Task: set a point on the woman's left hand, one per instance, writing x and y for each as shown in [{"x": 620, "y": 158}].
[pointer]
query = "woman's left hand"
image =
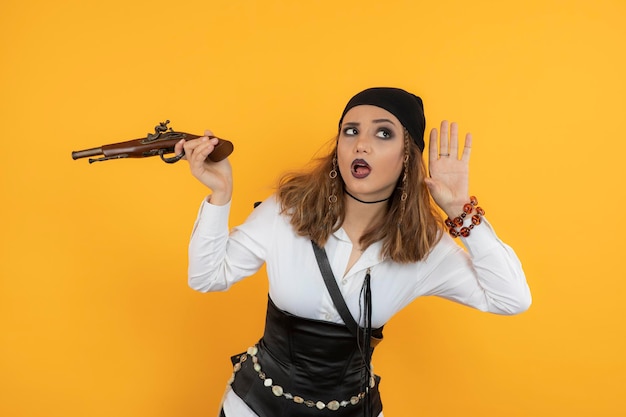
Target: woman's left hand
[{"x": 449, "y": 174}]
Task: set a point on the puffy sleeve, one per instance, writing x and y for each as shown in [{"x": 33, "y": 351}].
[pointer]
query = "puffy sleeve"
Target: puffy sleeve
[
  {"x": 219, "y": 258},
  {"x": 488, "y": 276}
]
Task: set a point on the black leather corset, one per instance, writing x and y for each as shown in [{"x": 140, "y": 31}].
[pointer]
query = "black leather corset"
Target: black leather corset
[{"x": 304, "y": 368}]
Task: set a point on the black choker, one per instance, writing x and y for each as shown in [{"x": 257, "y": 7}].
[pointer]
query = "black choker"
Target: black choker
[{"x": 367, "y": 202}]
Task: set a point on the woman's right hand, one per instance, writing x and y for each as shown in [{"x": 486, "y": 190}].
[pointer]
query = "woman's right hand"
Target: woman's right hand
[{"x": 215, "y": 175}]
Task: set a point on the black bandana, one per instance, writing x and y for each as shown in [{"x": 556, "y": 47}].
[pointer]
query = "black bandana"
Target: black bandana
[{"x": 407, "y": 107}]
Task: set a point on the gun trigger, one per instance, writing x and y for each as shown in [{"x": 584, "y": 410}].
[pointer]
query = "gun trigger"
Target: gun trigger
[{"x": 173, "y": 159}]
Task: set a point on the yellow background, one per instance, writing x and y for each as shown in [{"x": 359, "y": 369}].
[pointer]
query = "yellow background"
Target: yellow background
[{"x": 96, "y": 318}]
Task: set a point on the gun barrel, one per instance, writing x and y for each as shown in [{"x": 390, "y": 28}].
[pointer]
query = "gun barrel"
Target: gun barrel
[{"x": 86, "y": 153}]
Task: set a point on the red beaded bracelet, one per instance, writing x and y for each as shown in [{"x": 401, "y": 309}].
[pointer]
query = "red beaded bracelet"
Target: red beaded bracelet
[{"x": 458, "y": 221}]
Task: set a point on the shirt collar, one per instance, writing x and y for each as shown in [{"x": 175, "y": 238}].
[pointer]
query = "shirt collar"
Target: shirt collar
[{"x": 369, "y": 258}]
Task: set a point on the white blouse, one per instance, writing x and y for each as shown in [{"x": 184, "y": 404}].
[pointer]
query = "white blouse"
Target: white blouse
[{"x": 488, "y": 277}]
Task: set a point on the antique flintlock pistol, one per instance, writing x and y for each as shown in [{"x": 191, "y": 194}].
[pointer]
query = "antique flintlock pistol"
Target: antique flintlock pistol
[{"x": 161, "y": 143}]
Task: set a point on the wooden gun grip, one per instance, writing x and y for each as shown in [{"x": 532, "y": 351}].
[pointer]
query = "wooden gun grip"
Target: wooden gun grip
[{"x": 222, "y": 150}]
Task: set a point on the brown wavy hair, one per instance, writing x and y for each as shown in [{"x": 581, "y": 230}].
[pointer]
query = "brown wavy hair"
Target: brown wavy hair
[{"x": 406, "y": 237}]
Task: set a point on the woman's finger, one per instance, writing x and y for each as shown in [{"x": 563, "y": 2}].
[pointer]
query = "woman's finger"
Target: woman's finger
[
  {"x": 443, "y": 139},
  {"x": 467, "y": 149},
  {"x": 454, "y": 140},
  {"x": 433, "y": 146},
  {"x": 191, "y": 145},
  {"x": 202, "y": 151},
  {"x": 179, "y": 147}
]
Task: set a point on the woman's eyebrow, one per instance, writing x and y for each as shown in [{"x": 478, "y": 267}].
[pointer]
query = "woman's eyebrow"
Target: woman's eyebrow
[
  {"x": 373, "y": 121},
  {"x": 383, "y": 120}
]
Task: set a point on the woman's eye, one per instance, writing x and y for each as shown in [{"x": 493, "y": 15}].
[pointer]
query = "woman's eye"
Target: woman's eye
[
  {"x": 384, "y": 134},
  {"x": 350, "y": 131}
]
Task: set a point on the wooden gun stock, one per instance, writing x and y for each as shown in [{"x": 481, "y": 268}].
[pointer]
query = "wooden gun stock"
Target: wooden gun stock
[{"x": 160, "y": 143}]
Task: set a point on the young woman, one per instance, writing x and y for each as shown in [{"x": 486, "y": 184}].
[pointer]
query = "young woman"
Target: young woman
[{"x": 361, "y": 224}]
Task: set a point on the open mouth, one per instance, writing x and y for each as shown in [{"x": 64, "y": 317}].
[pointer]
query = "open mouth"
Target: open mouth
[{"x": 360, "y": 168}]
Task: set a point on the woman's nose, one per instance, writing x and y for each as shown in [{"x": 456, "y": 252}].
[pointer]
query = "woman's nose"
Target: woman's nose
[{"x": 362, "y": 144}]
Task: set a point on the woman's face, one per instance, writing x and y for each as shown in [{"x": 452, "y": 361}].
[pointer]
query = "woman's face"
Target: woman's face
[{"x": 370, "y": 152}]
